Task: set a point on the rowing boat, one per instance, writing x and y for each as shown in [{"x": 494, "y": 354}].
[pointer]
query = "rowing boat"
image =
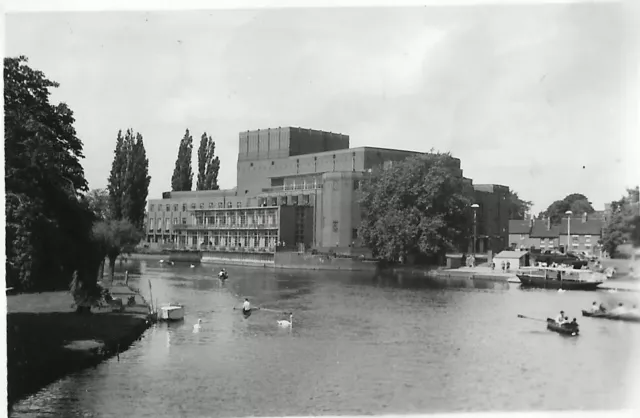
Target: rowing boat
[
  {"x": 565, "y": 329},
  {"x": 629, "y": 317}
]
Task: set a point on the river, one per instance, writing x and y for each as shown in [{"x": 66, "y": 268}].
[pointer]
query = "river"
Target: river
[{"x": 360, "y": 344}]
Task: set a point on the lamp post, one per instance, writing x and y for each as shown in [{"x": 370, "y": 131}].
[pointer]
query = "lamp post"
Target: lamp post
[
  {"x": 568, "y": 213},
  {"x": 475, "y": 206}
]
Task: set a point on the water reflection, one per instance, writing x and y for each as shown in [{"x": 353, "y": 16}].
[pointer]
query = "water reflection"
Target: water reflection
[{"x": 360, "y": 344}]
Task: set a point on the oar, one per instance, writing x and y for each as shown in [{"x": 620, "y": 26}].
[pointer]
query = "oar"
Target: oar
[{"x": 533, "y": 319}]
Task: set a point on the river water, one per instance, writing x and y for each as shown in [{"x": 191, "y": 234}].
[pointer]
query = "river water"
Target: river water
[{"x": 360, "y": 344}]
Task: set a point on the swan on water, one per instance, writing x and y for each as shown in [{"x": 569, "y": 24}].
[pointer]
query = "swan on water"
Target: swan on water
[
  {"x": 284, "y": 323},
  {"x": 561, "y": 290},
  {"x": 192, "y": 266},
  {"x": 198, "y": 326}
]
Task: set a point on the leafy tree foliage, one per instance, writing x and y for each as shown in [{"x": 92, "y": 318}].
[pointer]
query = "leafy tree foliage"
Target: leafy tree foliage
[
  {"x": 208, "y": 164},
  {"x": 129, "y": 179},
  {"x": 48, "y": 220},
  {"x": 416, "y": 208},
  {"x": 623, "y": 224},
  {"x": 518, "y": 208},
  {"x": 576, "y": 202},
  {"x": 115, "y": 237},
  {"x": 98, "y": 201},
  {"x": 182, "y": 178}
]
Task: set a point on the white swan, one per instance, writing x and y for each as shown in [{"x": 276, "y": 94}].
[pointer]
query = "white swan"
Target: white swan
[
  {"x": 193, "y": 266},
  {"x": 197, "y": 327},
  {"x": 561, "y": 290},
  {"x": 284, "y": 323}
]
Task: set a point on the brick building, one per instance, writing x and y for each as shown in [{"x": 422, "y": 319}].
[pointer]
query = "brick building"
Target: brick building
[
  {"x": 309, "y": 180},
  {"x": 585, "y": 231}
]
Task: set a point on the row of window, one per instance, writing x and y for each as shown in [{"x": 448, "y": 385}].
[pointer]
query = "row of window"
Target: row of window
[
  {"x": 587, "y": 238},
  {"x": 167, "y": 206}
]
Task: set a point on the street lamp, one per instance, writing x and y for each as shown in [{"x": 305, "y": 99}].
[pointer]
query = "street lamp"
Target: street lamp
[
  {"x": 475, "y": 206},
  {"x": 568, "y": 213}
]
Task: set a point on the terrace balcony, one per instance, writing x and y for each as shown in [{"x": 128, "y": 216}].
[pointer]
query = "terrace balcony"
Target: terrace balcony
[
  {"x": 292, "y": 187},
  {"x": 214, "y": 227}
]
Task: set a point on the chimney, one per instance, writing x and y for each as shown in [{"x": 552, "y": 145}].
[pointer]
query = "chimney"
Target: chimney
[{"x": 584, "y": 217}]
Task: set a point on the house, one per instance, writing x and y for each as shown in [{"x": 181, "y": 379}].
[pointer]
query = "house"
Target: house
[
  {"x": 515, "y": 259},
  {"x": 585, "y": 234},
  {"x": 544, "y": 235},
  {"x": 519, "y": 233}
]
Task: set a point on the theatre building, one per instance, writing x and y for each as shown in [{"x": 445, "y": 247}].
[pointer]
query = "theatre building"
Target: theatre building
[{"x": 296, "y": 188}]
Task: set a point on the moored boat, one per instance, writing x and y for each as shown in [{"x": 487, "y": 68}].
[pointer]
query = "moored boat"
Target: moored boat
[
  {"x": 628, "y": 317},
  {"x": 565, "y": 329},
  {"x": 559, "y": 278},
  {"x": 171, "y": 312}
]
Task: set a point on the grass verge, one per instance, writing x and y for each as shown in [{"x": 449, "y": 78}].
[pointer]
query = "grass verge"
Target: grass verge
[{"x": 47, "y": 340}]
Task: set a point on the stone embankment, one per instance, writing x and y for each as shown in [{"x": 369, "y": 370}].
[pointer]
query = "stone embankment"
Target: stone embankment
[{"x": 47, "y": 340}]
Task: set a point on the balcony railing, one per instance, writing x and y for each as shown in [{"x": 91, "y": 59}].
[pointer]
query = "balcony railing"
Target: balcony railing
[
  {"x": 225, "y": 226},
  {"x": 287, "y": 187}
]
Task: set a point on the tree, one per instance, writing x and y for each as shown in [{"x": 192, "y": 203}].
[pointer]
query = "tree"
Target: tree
[
  {"x": 417, "y": 208},
  {"x": 182, "y": 178},
  {"x": 136, "y": 180},
  {"x": 518, "y": 208},
  {"x": 98, "y": 201},
  {"x": 208, "y": 164},
  {"x": 48, "y": 221},
  {"x": 129, "y": 180},
  {"x": 576, "y": 202},
  {"x": 115, "y": 237},
  {"x": 623, "y": 224},
  {"x": 115, "y": 184}
]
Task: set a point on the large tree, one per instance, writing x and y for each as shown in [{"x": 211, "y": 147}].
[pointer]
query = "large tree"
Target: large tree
[
  {"x": 623, "y": 223},
  {"x": 182, "y": 178},
  {"x": 575, "y": 202},
  {"x": 48, "y": 222},
  {"x": 208, "y": 164},
  {"x": 417, "y": 208},
  {"x": 518, "y": 208},
  {"x": 128, "y": 183}
]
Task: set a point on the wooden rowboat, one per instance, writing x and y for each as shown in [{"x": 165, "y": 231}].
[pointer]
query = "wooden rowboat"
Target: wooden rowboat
[
  {"x": 628, "y": 317},
  {"x": 565, "y": 329}
]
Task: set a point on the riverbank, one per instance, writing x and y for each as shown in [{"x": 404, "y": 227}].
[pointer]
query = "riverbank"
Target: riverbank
[{"x": 47, "y": 340}]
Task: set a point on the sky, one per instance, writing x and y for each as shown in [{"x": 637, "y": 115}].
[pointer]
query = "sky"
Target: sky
[{"x": 542, "y": 98}]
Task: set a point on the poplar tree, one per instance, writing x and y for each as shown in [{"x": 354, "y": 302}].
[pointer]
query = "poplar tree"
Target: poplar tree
[
  {"x": 129, "y": 180},
  {"x": 182, "y": 178},
  {"x": 208, "y": 164}
]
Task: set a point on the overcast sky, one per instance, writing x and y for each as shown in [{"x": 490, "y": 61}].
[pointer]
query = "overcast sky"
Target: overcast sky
[{"x": 541, "y": 98}]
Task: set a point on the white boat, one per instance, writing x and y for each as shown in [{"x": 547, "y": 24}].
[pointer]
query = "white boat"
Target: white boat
[{"x": 171, "y": 312}]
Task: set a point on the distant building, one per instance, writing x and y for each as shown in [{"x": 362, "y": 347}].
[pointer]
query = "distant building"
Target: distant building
[
  {"x": 492, "y": 217},
  {"x": 540, "y": 234},
  {"x": 297, "y": 188}
]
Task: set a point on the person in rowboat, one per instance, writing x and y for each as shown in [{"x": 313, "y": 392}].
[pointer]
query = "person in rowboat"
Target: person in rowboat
[
  {"x": 246, "y": 306},
  {"x": 560, "y": 318},
  {"x": 595, "y": 308}
]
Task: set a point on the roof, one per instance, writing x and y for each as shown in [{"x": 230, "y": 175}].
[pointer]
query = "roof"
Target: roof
[
  {"x": 517, "y": 226},
  {"x": 511, "y": 254},
  {"x": 539, "y": 230},
  {"x": 590, "y": 227}
]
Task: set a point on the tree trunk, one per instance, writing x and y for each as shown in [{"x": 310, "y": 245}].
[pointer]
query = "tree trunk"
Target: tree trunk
[
  {"x": 101, "y": 270},
  {"x": 112, "y": 266}
]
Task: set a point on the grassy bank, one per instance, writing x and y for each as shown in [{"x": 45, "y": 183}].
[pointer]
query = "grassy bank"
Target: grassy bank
[{"x": 47, "y": 340}]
